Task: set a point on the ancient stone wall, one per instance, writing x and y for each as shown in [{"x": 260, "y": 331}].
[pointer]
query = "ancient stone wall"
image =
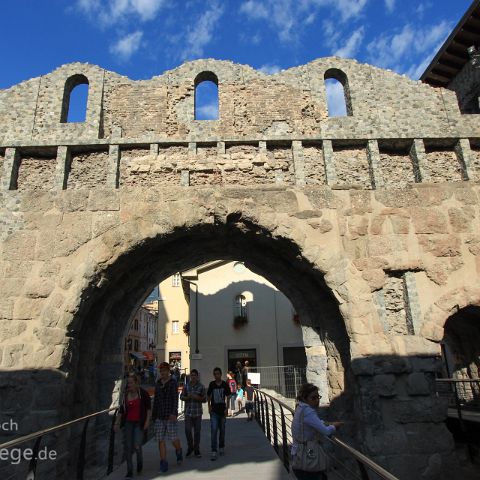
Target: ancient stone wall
[{"x": 368, "y": 223}]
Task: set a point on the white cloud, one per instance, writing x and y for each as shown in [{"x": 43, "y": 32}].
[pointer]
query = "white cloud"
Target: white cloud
[
  {"x": 269, "y": 69},
  {"x": 390, "y": 5},
  {"x": 335, "y": 99},
  {"x": 349, "y": 8},
  {"x": 109, "y": 12},
  {"x": 202, "y": 33},
  {"x": 287, "y": 17},
  {"x": 208, "y": 112},
  {"x": 254, "y": 9},
  {"x": 125, "y": 47},
  {"x": 352, "y": 44},
  {"x": 398, "y": 51}
]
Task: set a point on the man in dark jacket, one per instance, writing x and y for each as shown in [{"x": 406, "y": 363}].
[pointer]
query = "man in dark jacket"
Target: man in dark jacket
[{"x": 164, "y": 414}]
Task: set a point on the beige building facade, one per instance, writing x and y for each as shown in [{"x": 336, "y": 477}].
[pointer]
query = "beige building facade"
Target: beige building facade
[
  {"x": 238, "y": 315},
  {"x": 173, "y": 314},
  {"x": 230, "y": 314}
]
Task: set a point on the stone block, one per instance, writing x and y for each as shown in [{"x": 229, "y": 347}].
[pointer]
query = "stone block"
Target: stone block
[
  {"x": 105, "y": 200},
  {"x": 427, "y": 220},
  {"x": 11, "y": 329},
  {"x": 363, "y": 366},
  {"x": 420, "y": 410},
  {"x": 385, "y": 385},
  {"x": 417, "y": 384}
]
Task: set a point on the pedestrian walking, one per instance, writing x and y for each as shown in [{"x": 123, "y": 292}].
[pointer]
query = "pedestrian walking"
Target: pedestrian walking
[
  {"x": 135, "y": 412},
  {"x": 165, "y": 413},
  {"x": 306, "y": 428},
  {"x": 237, "y": 372},
  {"x": 233, "y": 391},
  {"x": 194, "y": 395},
  {"x": 239, "y": 398},
  {"x": 245, "y": 370},
  {"x": 250, "y": 398},
  {"x": 218, "y": 394}
]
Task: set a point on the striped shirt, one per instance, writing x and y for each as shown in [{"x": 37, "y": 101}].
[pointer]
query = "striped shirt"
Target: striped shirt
[{"x": 193, "y": 408}]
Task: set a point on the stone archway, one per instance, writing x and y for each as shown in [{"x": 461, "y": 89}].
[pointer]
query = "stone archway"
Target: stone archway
[
  {"x": 102, "y": 320},
  {"x": 446, "y": 306}
]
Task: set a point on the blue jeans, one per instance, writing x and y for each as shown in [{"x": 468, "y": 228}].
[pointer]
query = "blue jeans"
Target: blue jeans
[
  {"x": 133, "y": 442},
  {"x": 217, "y": 423}
]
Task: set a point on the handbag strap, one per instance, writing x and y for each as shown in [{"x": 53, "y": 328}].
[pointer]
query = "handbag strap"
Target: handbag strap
[{"x": 302, "y": 413}]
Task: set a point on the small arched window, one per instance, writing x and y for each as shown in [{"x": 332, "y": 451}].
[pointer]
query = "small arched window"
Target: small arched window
[
  {"x": 206, "y": 96},
  {"x": 240, "y": 306},
  {"x": 75, "y": 99},
  {"x": 338, "y": 94}
]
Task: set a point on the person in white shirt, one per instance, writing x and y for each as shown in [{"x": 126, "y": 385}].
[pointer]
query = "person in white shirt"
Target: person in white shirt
[{"x": 306, "y": 412}]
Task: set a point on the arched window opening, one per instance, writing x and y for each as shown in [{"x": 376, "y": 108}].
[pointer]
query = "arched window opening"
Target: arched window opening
[
  {"x": 206, "y": 96},
  {"x": 240, "y": 307},
  {"x": 75, "y": 99},
  {"x": 338, "y": 94}
]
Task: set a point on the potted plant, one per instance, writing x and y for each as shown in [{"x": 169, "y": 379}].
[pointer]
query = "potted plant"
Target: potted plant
[
  {"x": 239, "y": 321},
  {"x": 186, "y": 328}
]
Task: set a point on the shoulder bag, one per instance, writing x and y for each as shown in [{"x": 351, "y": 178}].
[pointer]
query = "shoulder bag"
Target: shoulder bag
[{"x": 310, "y": 456}]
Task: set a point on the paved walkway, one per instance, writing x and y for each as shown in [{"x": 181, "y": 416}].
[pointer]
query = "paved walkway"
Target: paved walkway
[{"x": 248, "y": 454}]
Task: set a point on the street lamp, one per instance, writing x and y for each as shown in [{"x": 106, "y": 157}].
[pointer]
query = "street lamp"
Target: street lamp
[{"x": 474, "y": 55}]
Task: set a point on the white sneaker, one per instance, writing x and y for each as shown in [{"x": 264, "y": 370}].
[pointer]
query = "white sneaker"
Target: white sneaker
[
  {"x": 213, "y": 456},
  {"x": 221, "y": 451}
]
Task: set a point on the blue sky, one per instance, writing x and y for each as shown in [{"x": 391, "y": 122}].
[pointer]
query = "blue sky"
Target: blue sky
[{"x": 143, "y": 38}]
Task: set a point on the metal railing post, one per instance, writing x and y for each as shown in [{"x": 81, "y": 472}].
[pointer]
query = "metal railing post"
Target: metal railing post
[
  {"x": 267, "y": 416},
  {"x": 81, "y": 453},
  {"x": 262, "y": 414},
  {"x": 32, "y": 467},
  {"x": 363, "y": 470},
  {"x": 274, "y": 426},
  {"x": 286, "y": 456},
  {"x": 111, "y": 444}
]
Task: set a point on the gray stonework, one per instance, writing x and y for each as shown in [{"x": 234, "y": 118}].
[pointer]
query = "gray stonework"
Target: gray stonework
[{"x": 368, "y": 223}]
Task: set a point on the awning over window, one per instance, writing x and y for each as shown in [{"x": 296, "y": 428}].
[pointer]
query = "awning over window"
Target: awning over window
[
  {"x": 149, "y": 356},
  {"x": 138, "y": 355}
]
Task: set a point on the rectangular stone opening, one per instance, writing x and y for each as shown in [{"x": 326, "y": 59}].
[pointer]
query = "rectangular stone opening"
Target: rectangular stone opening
[
  {"x": 352, "y": 167},
  {"x": 139, "y": 167},
  {"x": 314, "y": 163},
  {"x": 393, "y": 305},
  {"x": 441, "y": 162},
  {"x": 36, "y": 169},
  {"x": 88, "y": 170},
  {"x": 280, "y": 161},
  {"x": 395, "y": 164}
]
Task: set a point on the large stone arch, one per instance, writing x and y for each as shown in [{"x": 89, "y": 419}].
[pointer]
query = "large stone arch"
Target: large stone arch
[
  {"x": 448, "y": 304},
  {"x": 112, "y": 290}
]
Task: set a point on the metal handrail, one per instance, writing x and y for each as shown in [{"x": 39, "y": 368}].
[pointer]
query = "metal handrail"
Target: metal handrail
[
  {"x": 40, "y": 433},
  {"x": 457, "y": 380},
  {"x": 37, "y": 436},
  {"x": 362, "y": 460}
]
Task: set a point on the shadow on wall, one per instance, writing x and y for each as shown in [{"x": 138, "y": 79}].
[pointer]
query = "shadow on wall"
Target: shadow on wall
[{"x": 396, "y": 418}]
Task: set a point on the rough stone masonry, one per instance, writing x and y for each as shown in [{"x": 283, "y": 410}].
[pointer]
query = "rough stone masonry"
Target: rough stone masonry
[{"x": 369, "y": 223}]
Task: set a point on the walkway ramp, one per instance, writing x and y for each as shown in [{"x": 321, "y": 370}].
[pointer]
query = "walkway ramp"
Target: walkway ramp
[{"x": 248, "y": 454}]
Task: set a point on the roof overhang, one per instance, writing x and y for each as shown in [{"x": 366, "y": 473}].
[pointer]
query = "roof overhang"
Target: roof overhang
[{"x": 453, "y": 55}]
